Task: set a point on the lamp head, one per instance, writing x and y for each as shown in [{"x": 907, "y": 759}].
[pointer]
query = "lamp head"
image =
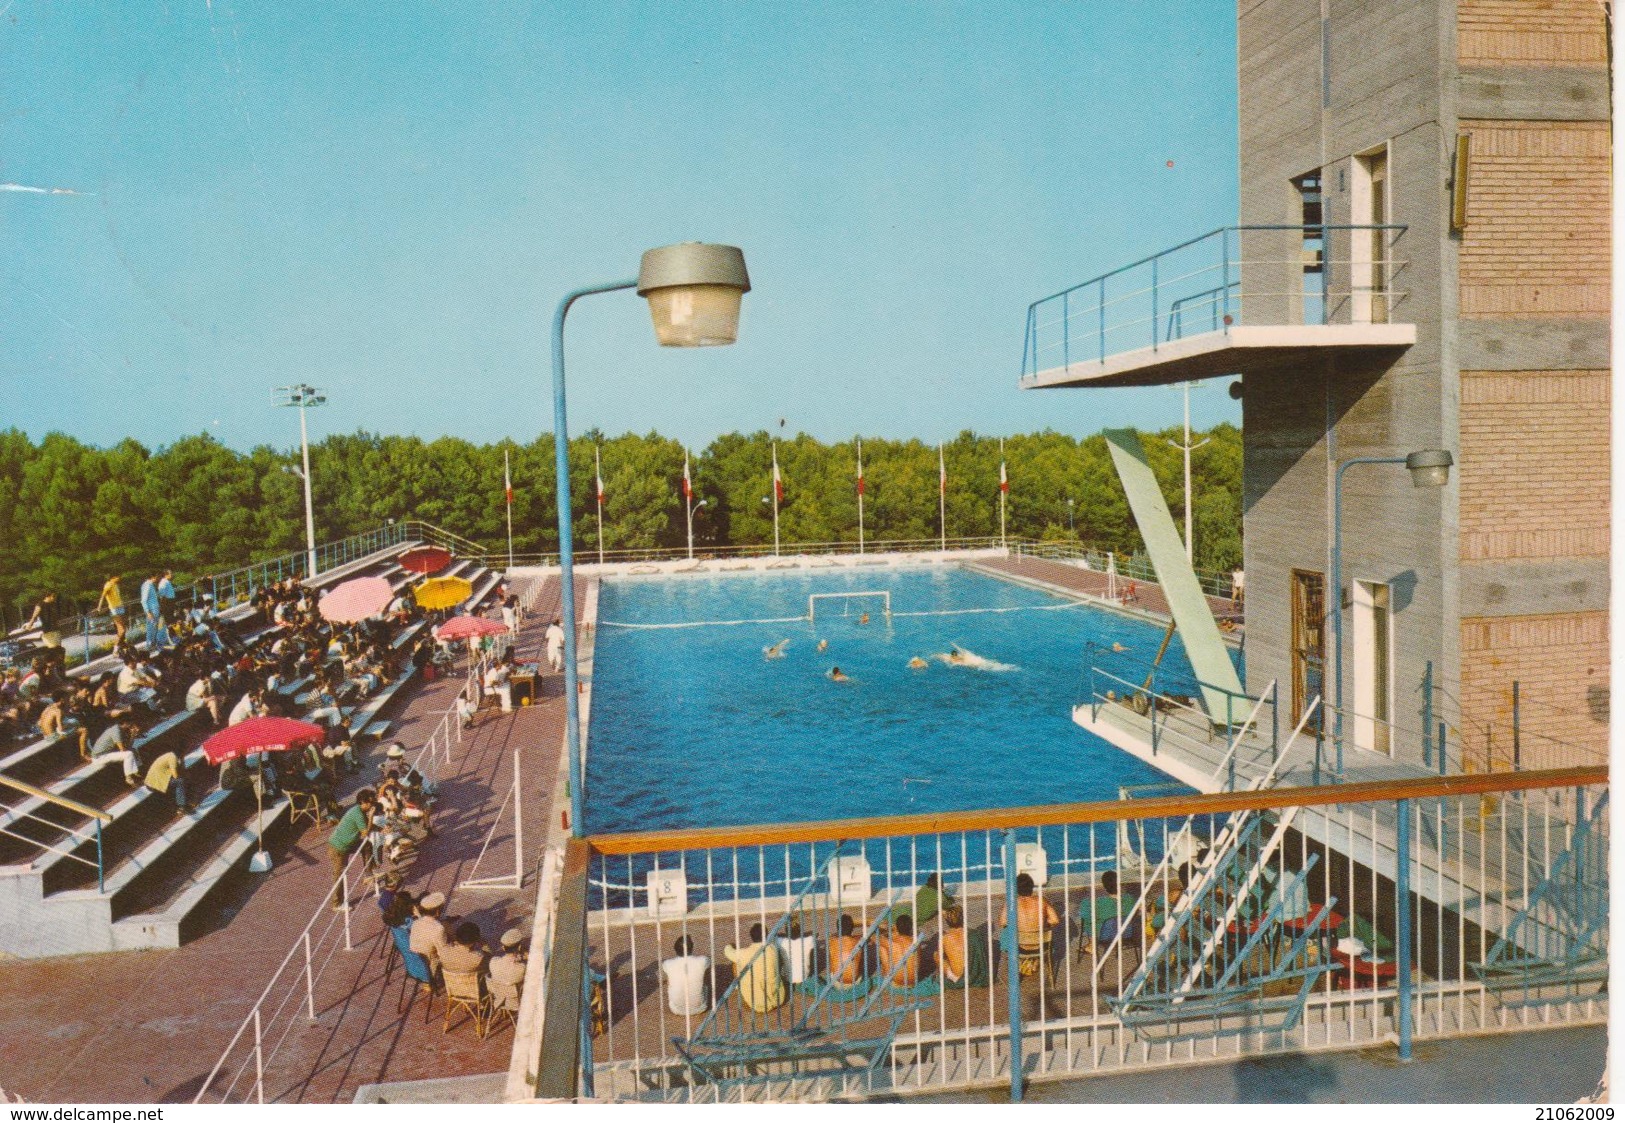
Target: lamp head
[
  {"x": 694, "y": 291},
  {"x": 1430, "y": 467}
]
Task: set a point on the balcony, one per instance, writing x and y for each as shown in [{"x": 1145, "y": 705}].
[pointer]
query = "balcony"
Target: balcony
[{"x": 1238, "y": 298}]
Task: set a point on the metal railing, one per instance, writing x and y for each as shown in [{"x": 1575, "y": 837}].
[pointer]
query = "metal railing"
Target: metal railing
[
  {"x": 290, "y": 996},
  {"x": 80, "y": 836},
  {"x": 1248, "y": 922},
  {"x": 1126, "y": 566},
  {"x": 1234, "y": 275}
]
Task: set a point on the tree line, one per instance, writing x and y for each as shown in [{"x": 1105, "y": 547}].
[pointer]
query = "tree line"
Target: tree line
[{"x": 72, "y": 514}]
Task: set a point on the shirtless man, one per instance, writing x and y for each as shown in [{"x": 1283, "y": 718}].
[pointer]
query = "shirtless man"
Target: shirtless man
[
  {"x": 836, "y": 675},
  {"x": 776, "y": 651},
  {"x": 917, "y": 664}
]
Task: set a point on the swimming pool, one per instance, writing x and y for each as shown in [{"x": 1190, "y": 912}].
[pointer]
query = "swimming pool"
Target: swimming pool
[{"x": 692, "y": 725}]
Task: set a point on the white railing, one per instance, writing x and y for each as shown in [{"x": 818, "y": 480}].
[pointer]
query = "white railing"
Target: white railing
[{"x": 288, "y": 999}]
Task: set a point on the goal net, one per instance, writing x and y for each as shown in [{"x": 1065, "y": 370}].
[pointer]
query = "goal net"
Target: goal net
[{"x": 849, "y": 604}]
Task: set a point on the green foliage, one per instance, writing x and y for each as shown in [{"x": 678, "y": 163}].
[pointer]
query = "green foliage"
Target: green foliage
[{"x": 71, "y": 515}]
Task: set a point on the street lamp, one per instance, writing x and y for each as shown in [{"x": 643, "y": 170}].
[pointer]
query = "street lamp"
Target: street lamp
[
  {"x": 1071, "y": 526},
  {"x": 303, "y": 398},
  {"x": 1428, "y": 468},
  {"x": 694, "y": 292},
  {"x": 692, "y": 507}
]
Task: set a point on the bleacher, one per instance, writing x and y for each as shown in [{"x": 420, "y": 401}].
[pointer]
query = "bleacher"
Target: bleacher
[{"x": 161, "y": 874}]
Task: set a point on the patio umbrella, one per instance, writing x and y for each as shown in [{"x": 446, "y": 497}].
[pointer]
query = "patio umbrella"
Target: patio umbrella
[
  {"x": 467, "y": 627},
  {"x": 425, "y": 559},
  {"x": 443, "y": 592},
  {"x": 260, "y": 735},
  {"x": 356, "y": 599}
]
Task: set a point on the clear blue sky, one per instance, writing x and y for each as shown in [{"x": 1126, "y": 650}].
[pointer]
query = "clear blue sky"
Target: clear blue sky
[{"x": 387, "y": 200}]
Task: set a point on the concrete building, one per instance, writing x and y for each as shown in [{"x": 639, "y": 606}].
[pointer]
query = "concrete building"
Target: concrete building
[{"x": 1421, "y": 262}]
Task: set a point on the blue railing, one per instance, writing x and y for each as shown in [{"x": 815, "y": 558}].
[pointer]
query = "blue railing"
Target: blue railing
[{"x": 1236, "y": 274}]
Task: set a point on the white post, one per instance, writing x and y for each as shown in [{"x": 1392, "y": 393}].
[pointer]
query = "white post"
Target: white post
[
  {"x": 598, "y": 492},
  {"x": 310, "y": 511},
  {"x": 518, "y": 828},
  {"x": 942, "y": 498},
  {"x": 507, "y": 498},
  {"x": 1187, "y": 447},
  {"x": 775, "y": 497},
  {"x": 259, "y": 1057},
  {"x": 860, "y": 495},
  {"x": 310, "y": 982},
  {"x": 344, "y": 882}
]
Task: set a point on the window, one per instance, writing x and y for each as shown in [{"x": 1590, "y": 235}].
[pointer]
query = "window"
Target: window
[
  {"x": 1371, "y": 264},
  {"x": 1308, "y": 642}
]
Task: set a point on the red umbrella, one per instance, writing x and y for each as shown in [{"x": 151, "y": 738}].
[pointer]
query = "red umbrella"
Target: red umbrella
[
  {"x": 467, "y": 627},
  {"x": 261, "y": 735},
  {"x": 424, "y": 559},
  {"x": 356, "y": 599}
]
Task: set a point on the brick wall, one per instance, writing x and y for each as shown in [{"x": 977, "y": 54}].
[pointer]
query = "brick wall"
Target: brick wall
[
  {"x": 1537, "y": 241},
  {"x": 1561, "y": 665},
  {"x": 1530, "y": 33},
  {"x": 1534, "y": 453}
]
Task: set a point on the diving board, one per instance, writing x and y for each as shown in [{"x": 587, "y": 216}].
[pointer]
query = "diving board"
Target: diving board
[{"x": 1193, "y": 616}]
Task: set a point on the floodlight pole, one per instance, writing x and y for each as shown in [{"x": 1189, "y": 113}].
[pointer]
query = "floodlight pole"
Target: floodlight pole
[
  {"x": 303, "y": 397},
  {"x": 567, "y": 589},
  {"x": 1188, "y": 448}
]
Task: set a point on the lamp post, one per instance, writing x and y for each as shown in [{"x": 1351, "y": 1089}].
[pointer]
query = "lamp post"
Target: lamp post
[
  {"x": 1071, "y": 526},
  {"x": 303, "y": 398},
  {"x": 1188, "y": 448},
  {"x": 694, "y": 291},
  {"x": 1428, "y": 468},
  {"x": 691, "y": 508}
]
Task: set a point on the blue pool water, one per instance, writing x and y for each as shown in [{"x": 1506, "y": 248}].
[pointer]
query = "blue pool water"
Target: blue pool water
[{"x": 692, "y": 726}]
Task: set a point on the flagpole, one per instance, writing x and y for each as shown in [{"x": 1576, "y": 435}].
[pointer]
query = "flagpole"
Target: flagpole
[
  {"x": 1004, "y": 490},
  {"x": 507, "y": 491},
  {"x": 598, "y": 478},
  {"x": 942, "y": 497},
  {"x": 860, "y": 494},
  {"x": 775, "y": 497}
]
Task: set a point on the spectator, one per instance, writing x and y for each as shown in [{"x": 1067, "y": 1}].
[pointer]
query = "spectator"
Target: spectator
[
  {"x": 688, "y": 979},
  {"x": 797, "y": 952},
  {"x": 48, "y": 618},
  {"x": 168, "y": 604},
  {"x": 465, "y": 953},
  {"x": 152, "y": 606},
  {"x": 761, "y": 980},
  {"x": 428, "y": 931},
  {"x": 555, "y": 645},
  {"x": 964, "y": 961},
  {"x": 206, "y": 693},
  {"x": 844, "y": 960},
  {"x": 1036, "y": 921},
  {"x": 250, "y": 704},
  {"x": 113, "y": 598},
  {"x": 117, "y": 743},
  {"x": 1101, "y": 916},
  {"x": 898, "y": 954},
  {"x": 497, "y": 682},
  {"x": 347, "y": 838},
  {"x": 166, "y": 775},
  {"x": 54, "y": 722},
  {"x": 510, "y": 615},
  {"x": 507, "y": 971}
]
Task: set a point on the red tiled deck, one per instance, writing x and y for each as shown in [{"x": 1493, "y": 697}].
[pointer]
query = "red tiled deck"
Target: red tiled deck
[{"x": 148, "y": 1026}]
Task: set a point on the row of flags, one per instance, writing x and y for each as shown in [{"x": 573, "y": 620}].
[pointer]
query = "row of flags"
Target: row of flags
[{"x": 778, "y": 479}]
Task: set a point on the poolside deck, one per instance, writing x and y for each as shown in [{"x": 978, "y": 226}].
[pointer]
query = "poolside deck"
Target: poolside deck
[{"x": 147, "y": 1026}]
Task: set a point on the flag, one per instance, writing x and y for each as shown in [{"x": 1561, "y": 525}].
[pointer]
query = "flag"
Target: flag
[
  {"x": 778, "y": 483},
  {"x": 598, "y": 474},
  {"x": 688, "y": 486},
  {"x": 860, "y": 467},
  {"x": 507, "y": 481},
  {"x": 1004, "y": 480},
  {"x": 942, "y": 472}
]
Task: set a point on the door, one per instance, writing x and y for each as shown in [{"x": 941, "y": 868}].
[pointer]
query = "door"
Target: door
[
  {"x": 1370, "y": 265},
  {"x": 1373, "y": 667},
  {"x": 1308, "y": 642}
]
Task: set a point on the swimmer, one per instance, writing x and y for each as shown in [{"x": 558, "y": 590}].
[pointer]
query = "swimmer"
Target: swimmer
[
  {"x": 916, "y": 664},
  {"x": 864, "y": 619},
  {"x": 823, "y": 645},
  {"x": 835, "y": 675},
  {"x": 957, "y": 656},
  {"x": 1119, "y": 648},
  {"x": 776, "y": 651}
]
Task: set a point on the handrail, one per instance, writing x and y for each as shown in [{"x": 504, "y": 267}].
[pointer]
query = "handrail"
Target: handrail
[
  {"x": 61, "y": 801},
  {"x": 1109, "y": 811}
]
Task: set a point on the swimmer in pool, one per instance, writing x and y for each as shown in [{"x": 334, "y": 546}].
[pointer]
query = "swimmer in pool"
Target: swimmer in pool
[
  {"x": 954, "y": 657},
  {"x": 823, "y": 645},
  {"x": 835, "y": 675},
  {"x": 1118, "y": 648},
  {"x": 864, "y": 619},
  {"x": 916, "y": 664},
  {"x": 776, "y": 651}
]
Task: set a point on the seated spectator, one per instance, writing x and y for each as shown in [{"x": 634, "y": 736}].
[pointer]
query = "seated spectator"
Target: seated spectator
[
  {"x": 796, "y": 951},
  {"x": 117, "y": 745},
  {"x": 1100, "y": 916},
  {"x": 55, "y": 721},
  {"x": 401, "y": 908},
  {"x": 506, "y": 973},
  {"x": 964, "y": 960},
  {"x": 206, "y": 693},
  {"x": 497, "y": 682},
  {"x": 761, "y": 981},
  {"x": 166, "y": 775},
  {"x": 1036, "y": 922},
  {"x": 465, "y": 954},
  {"x": 927, "y": 899},
  {"x": 843, "y": 959},
  {"x": 687, "y": 978},
  {"x": 249, "y": 705},
  {"x": 429, "y": 936},
  {"x": 899, "y": 954}
]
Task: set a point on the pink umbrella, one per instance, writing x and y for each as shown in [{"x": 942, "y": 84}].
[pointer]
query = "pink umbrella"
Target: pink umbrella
[
  {"x": 467, "y": 627},
  {"x": 356, "y": 599}
]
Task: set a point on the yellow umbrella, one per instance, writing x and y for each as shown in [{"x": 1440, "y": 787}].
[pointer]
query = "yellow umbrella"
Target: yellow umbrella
[{"x": 443, "y": 592}]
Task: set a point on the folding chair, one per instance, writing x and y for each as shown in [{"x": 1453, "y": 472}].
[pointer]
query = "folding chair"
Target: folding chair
[
  {"x": 502, "y": 1002},
  {"x": 303, "y": 805},
  {"x": 465, "y": 992}
]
